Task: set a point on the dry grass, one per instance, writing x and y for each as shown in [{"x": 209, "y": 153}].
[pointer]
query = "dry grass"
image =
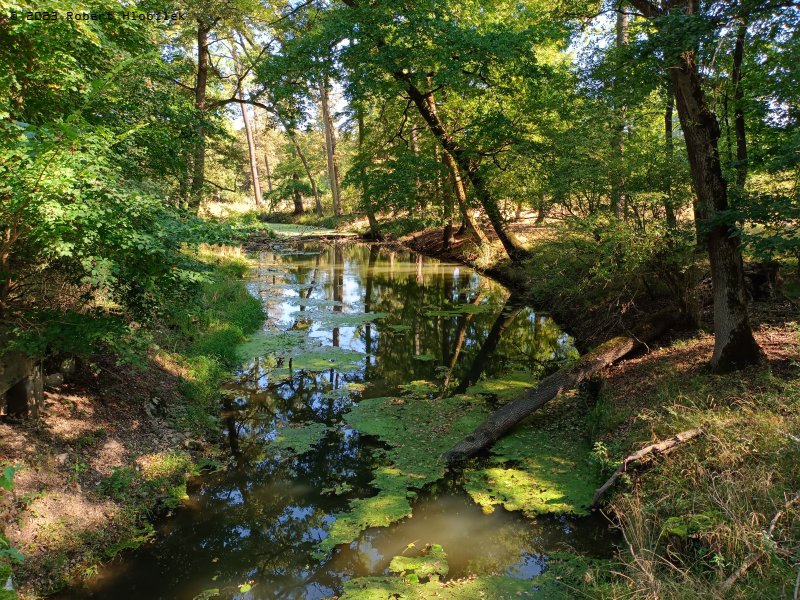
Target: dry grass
[{"x": 692, "y": 520}]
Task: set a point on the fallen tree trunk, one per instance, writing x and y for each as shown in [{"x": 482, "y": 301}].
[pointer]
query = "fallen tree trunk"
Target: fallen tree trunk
[
  {"x": 505, "y": 418},
  {"x": 664, "y": 447}
]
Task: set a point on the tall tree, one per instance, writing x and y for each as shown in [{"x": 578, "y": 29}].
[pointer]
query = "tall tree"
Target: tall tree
[
  {"x": 200, "y": 92},
  {"x": 330, "y": 146},
  {"x": 734, "y": 344}
]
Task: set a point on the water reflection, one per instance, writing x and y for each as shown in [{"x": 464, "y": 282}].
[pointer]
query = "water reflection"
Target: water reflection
[{"x": 397, "y": 317}]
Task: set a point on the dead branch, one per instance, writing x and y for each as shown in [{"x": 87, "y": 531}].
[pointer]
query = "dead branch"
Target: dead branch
[{"x": 664, "y": 447}]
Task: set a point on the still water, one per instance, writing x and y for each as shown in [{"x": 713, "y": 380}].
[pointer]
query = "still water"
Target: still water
[{"x": 259, "y": 521}]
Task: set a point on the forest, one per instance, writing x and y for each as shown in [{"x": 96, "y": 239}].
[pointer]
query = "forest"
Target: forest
[{"x": 281, "y": 282}]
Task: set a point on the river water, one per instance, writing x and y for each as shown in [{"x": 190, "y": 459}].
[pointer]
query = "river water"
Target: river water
[{"x": 258, "y": 522}]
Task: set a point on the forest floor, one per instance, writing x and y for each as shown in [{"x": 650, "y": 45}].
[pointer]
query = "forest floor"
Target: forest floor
[
  {"x": 116, "y": 446},
  {"x": 75, "y": 504}
]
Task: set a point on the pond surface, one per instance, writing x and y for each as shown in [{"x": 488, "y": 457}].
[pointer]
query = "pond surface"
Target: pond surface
[{"x": 372, "y": 320}]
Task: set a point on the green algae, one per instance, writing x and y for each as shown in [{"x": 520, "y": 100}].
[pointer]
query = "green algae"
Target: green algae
[
  {"x": 548, "y": 473},
  {"x": 310, "y": 302},
  {"x": 381, "y": 588},
  {"x": 417, "y": 431},
  {"x": 295, "y": 351},
  {"x": 419, "y": 388},
  {"x": 568, "y": 576},
  {"x": 300, "y": 438},
  {"x": 431, "y": 563},
  {"x": 330, "y": 320},
  {"x": 265, "y": 343},
  {"x": 506, "y": 387},
  {"x": 425, "y": 357},
  {"x": 458, "y": 310}
]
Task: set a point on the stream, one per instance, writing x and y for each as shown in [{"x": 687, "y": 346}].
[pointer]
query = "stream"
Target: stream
[{"x": 373, "y": 321}]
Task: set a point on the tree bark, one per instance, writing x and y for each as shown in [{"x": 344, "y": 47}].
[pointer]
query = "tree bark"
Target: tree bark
[
  {"x": 309, "y": 174},
  {"x": 251, "y": 149},
  {"x": 618, "y": 197},
  {"x": 298, "y": 198},
  {"x": 330, "y": 149},
  {"x": 664, "y": 447},
  {"x": 506, "y": 418},
  {"x": 734, "y": 344},
  {"x": 374, "y": 227},
  {"x": 738, "y": 109},
  {"x": 463, "y": 203},
  {"x": 201, "y": 84},
  {"x": 510, "y": 243},
  {"x": 669, "y": 207}
]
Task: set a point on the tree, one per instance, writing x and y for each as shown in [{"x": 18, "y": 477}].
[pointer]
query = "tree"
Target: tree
[{"x": 734, "y": 344}]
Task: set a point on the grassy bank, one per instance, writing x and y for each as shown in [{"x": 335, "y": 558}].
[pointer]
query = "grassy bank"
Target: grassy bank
[{"x": 117, "y": 445}]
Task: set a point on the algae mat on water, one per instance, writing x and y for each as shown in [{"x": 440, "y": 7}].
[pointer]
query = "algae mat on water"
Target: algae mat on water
[
  {"x": 566, "y": 574},
  {"x": 534, "y": 471},
  {"x": 417, "y": 431},
  {"x": 304, "y": 352}
]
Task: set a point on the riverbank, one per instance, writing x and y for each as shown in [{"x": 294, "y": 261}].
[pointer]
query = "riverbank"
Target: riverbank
[{"x": 117, "y": 445}]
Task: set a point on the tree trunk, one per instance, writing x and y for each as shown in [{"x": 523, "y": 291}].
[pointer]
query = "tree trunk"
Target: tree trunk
[
  {"x": 201, "y": 83},
  {"x": 463, "y": 203},
  {"x": 669, "y": 208},
  {"x": 374, "y": 228},
  {"x": 618, "y": 196},
  {"x": 309, "y": 174},
  {"x": 511, "y": 244},
  {"x": 734, "y": 344},
  {"x": 298, "y": 198},
  {"x": 251, "y": 150},
  {"x": 267, "y": 170},
  {"x": 738, "y": 109},
  {"x": 330, "y": 149},
  {"x": 506, "y": 418}
]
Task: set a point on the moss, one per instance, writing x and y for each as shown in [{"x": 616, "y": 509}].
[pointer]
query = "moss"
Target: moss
[{"x": 506, "y": 387}]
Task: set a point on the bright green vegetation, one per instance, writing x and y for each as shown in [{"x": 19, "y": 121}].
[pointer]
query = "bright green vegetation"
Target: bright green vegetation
[
  {"x": 537, "y": 472},
  {"x": 8, "y": 557},
  {"x": 300, "y": 438},
  {"x": 417, "y": 431},
  {"x": 567, "y": 577},
  {"x": 197, "y": 339},
  {"x": 430, "y": 564},
  {"x": 285, "y": 352},
  {"x": 295, "y": 229},
  {"x": 534, "y": 471}
]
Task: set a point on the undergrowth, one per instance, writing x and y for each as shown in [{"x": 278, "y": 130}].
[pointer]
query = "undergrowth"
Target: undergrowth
[{"x": 723, "y": 500}]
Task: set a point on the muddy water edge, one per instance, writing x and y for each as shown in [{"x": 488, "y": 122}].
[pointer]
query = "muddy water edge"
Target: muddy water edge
[{"x": 370, "y": 363}]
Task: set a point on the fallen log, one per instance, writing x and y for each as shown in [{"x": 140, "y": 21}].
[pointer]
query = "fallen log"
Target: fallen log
[
  {"x": 505, "y": 418},
  {"x": 664, "y": 447}
]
